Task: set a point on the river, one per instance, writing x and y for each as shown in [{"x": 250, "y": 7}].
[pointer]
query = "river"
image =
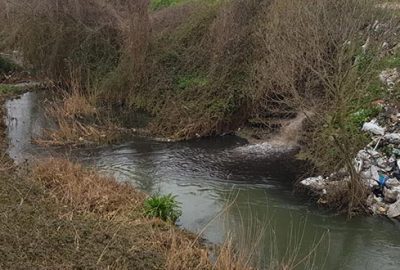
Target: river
[{"x": 207, "y": 175}]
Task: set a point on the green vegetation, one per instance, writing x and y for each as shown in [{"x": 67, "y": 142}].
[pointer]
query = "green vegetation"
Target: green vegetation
[
  {"x": 185, "y": 82},
  {"x": 8, "y": 89},
  {"x": 203, "y": 68},
  {"x": 364, "y": 115},
  {"x": 165, "y": 207},
  {"x": 6, "y": 66},
  {"x": 158, "y": 4}
]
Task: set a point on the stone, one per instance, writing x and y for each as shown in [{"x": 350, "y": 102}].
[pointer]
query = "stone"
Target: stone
[
  {"x": 373, "y": 128},
  {"x": 394, "y": 210},
  {"x": 392, "y": 138}
]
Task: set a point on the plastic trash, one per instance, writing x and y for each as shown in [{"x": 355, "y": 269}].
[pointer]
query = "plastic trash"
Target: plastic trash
[
  {"x": 382, "y": 180},
  {"x": 392, "y": 138},
  {"x": 396, "y": 173},
  {"x": 396, "y": 152},
  {"x": 373, "y": 127}
]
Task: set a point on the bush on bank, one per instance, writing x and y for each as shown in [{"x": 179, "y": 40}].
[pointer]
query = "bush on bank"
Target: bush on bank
[{"x": 206, "y": 68}]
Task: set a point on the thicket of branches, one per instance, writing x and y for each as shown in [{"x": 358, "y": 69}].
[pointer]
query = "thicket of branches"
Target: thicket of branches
[{"x": 206, "y": 67}]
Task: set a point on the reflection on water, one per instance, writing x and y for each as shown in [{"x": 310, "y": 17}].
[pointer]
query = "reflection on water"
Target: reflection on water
[{"x": 207, "y": 174}]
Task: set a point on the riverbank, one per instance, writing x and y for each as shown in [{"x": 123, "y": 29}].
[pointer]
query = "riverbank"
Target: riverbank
[
  {"x": 48, "y": 225},
  {"x": 207, "y": 174},
  {"x": 376, "y": 167},
  {"x": 63, "y": 215},
  {"x": 213, "y": 70}
]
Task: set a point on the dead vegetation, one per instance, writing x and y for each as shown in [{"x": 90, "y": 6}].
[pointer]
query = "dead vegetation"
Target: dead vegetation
[
  {"x": 78, "y": 122},
  {"x": 208, "y": 68},
  {"x": 66, "y": 216},
  {"x": 314, "y": 60},
  {"x": 85, "y": 191},
  {"x": 102, "y": 218}
]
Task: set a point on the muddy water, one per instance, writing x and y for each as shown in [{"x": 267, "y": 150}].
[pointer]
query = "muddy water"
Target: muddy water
[{"x": 208, "y": 174}]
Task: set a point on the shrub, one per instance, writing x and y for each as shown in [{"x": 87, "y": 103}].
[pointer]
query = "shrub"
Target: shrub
[
  {"x": 6, "y": 66},
  {"x": 164, "y": 207},
  {"x": 57, "y": 36},
  {"x": 311, "y": 61}
]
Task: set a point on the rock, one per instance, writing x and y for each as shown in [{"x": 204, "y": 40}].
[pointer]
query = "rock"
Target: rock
[
  {"x": 389, "y": 77},
  {"x": 392, "y": 138},
  {"x": 389, "y": 195},
  {"x": 373, "y": 128},
  {"x": 394, "y": 210}
]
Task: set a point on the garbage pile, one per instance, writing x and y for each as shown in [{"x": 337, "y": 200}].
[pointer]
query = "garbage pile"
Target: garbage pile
[{"x": 378, "y": 163}]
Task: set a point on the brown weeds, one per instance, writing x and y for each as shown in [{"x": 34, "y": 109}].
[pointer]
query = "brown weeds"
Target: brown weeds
[
  {"x": 86, "y": 191},
  {"x": 79, "y": 122},
  {"x": 310, "y": 62},
  {"x": 82, "y": 191}
]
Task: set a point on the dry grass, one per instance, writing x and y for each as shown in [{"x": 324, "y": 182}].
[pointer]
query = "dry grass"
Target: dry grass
[
  {"x": 86, "y": 191},
  {"x": 81, "y": 191},
  {"x": 78, "y": 105},
  {"x": 313, "y": 61},
  {"x": 181, "y": 253},
  {"x": 78, "y": 122},
  {"x": 67, "y": 217}
]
